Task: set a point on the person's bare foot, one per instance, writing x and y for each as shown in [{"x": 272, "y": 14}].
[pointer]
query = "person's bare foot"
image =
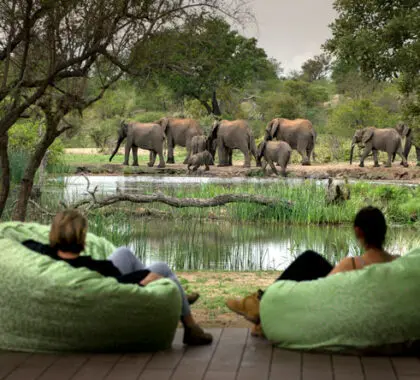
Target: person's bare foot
[{"x": 196, "y": 336}]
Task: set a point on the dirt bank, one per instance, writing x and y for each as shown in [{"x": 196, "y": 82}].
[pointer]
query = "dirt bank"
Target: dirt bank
[{"x": 316, "y": 171}]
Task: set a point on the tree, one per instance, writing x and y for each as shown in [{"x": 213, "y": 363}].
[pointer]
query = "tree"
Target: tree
[
  {"x": 316, "y": 68},
  {"x": 51, "y": 50},
  {"x": 382, "y": 39},
  {"x": 198, "y": 58}
]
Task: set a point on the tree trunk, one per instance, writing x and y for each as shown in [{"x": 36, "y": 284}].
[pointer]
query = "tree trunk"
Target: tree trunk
[
  {"x": 204, "y": 104},
  {"x": 5, "y": 172},
  {"x": 215, "y": 105},
  {"x": 25, "y": 190}
]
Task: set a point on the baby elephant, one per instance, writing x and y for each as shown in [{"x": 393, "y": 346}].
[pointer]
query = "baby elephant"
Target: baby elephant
[
  {"x": 199, "y": 159},
  {"x": 274, "y": 152},
  {"x": 198, "y": 144}
]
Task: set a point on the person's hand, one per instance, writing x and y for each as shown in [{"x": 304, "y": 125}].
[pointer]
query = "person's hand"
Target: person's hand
[{"x": 150, "y": 278}]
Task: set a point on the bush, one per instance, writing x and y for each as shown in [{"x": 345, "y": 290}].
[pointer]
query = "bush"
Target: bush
[
  {"x": 281, "y": 105},
  {"x": 347, "y": 117},
  {"x": 148, "y": 117},
  {"x": 24, "y": 137}
]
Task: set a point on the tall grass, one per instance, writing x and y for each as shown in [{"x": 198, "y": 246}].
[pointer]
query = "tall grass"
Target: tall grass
[
  {"x": 18, "y": 160},
  {"x": 308, "y": 200},
  {"x": 195, "y": 245}
]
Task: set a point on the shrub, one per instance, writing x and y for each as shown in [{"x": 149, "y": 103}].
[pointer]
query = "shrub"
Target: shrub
[
  {"x": 346, "y": 117},
  {"x": 24, "y": 137}
]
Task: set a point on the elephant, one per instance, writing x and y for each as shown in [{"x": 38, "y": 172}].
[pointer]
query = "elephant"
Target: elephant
[
  {"x": 374, "y": 139},
  {"x": 199, "y": 159},
  {"x": 231, "y": 135},
  {"x": 299, "y": 134},
  {"x": 148, "y": 136},
  {"x": 274, "y": 152},
  {"x": 179, "y": 132},
  {"x": 198, "y": 144},
  {"x": 405, "y": 131}
]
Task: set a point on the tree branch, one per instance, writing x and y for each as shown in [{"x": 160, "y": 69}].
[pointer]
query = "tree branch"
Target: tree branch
[{"x": 95, "y": 203}]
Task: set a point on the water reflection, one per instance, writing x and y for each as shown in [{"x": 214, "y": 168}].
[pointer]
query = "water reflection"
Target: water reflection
[
  {"x": 75, "y": 186},
  {"x": 226, "y": 246},
  {"x": 203, "y": 244}
]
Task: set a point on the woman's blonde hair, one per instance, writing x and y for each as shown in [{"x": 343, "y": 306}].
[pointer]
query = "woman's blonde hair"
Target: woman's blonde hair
[{"x": 68, "y": 231}]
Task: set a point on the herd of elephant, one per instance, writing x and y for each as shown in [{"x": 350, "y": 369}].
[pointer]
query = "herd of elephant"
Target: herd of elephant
[{"x": 281, "y": 137}]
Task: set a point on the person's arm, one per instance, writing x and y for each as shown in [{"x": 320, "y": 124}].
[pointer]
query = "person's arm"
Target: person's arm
[
  {"x": 344, "y": 265},
  {"x": 33, "y": 245}
]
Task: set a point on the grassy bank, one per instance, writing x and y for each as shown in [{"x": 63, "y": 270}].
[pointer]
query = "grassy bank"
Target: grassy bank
[
  {"x": 400, "y": 204},
  {"x": 216, "y": 287},
  {"x": 309, "y": 206}
]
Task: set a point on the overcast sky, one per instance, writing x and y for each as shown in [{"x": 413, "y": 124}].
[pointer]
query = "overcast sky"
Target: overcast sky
[{"x": 292, "y": 30}]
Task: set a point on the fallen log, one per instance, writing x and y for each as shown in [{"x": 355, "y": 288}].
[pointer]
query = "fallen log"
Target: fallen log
[{"x": 95, "y": 203}]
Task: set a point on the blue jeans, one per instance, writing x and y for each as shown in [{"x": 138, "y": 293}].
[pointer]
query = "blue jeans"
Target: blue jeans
[{"x": 124, "y": 259}]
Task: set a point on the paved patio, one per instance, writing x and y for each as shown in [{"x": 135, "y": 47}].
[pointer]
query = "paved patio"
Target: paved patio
[{"x": 233, "y": 355}]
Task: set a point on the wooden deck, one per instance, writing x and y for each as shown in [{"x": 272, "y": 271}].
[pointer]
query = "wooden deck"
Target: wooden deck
[{"x": 233, "y": 355}]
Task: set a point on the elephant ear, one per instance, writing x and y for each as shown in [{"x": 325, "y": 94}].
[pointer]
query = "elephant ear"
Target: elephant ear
[
  {"x": 164, "y": 122},
  {"x": 215, "y": 129},
  {"x": 406, "y": 130},
  {"x": 269, "y": 131},
  {"x": 124, "y": 127},
  {"x": 367, "y": 135},
  {"x": 275, "y": 128}
]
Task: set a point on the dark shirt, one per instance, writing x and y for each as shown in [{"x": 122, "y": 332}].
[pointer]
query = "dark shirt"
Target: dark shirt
[{"x": 104, "y": 267}]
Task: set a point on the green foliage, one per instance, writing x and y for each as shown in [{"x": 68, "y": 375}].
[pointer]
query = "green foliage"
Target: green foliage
[
  {"x": 24, "y": 136},
  {"x": 347, "y": 117},
  {"x": 17, "y": 162},
  {"x": 316, "y": 68},
  {"x": 281, "y": 105},
  {"x": 196, "y": 59},
  {"x": 381, "y": 39}
]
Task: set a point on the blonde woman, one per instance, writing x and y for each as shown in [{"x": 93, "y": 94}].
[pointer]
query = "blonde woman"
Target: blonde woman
[{"x": 67, "y": 242}]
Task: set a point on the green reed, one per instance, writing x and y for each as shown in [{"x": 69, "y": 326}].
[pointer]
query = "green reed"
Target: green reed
[{"x": 309, "y": 205}]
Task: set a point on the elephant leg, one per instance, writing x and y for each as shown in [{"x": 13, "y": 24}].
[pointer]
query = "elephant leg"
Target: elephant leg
[
  {"x": 389, "y": 161},
  {"x": 365, "y": 153},
  {"x": 303, "y": 152},
  {"x": 152, "y": 160},
  {"x": 375, "y": 158},
  {"x": 171, "y": 146},
  {"x": 135, "y": 156},
  {"x": 283, "y": 171},
  {"x": 230, "y": 154},
  {"x": 161, "y": 158},
  {"x": 418, "y": 155},
  {"x": 195, "y": 168},
  {"x": 403, "y": 159},
  {"x": 247, "y": 156},
  {"x": 127, "y": 153},
  {"x": 207, "y": 168},
  {"x": 309, "y": 153},
  {"x": 273, "y": 167},
  {"x": 188, "y": 145},
  {"x": 223, "y": 155},
  {"x": 264, "y": 166}
]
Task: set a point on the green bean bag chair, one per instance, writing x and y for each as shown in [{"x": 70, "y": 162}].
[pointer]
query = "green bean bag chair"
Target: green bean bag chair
[
  {"x": 49, "y": 306},
  {"x": 374, "y": 310}
]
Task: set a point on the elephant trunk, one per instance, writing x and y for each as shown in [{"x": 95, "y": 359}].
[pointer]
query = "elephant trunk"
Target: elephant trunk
[
  {"x": 120, "y": 140},
  {"x": 353, "y": 144}
]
